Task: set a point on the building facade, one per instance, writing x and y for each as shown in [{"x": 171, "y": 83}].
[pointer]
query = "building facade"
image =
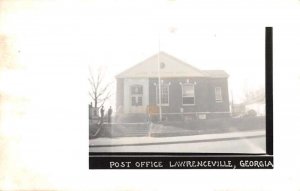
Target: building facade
[{"x": 184, "y": 92}]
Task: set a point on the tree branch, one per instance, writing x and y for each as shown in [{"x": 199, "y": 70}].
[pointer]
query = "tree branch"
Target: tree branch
[
  {"x": 99, "y": 92},
  {"x": 104, "y": 89},
  {"x": 91, "y": 95}
]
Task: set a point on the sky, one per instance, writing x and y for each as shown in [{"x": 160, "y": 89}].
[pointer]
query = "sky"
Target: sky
[
  {"x": 116, "y": 35},
  {"x": 123, "y": 35}
]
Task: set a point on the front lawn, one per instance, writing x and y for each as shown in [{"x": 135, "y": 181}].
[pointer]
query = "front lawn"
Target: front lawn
[{"x": 209, "y": 126}]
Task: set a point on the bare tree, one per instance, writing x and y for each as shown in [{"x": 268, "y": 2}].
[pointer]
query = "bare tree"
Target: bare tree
[
  {"x": 255, "y": 95},
  {"x": 100, "y": 90}
]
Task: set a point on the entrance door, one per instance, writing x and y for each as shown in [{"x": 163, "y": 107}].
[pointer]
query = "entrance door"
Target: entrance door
[{"x": 136, "y": 95}]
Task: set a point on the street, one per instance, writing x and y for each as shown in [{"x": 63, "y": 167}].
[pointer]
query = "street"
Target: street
[{"x": 248, "y": 142}]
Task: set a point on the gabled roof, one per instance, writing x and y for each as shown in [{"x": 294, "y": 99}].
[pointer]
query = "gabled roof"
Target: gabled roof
[
  {"x": 216, "y": 73},
  {"x": 169, "y": 67}
]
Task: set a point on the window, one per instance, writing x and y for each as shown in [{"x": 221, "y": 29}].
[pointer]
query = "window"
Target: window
[
  {"x": 136, "y": 95},
  {"x": 218, "y": 94},
  {"x": 188, "y": 94},
  {"x": 164, "y": 90}
]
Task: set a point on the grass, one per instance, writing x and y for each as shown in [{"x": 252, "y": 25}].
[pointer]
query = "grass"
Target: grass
[{"x": 209, "y": 126}]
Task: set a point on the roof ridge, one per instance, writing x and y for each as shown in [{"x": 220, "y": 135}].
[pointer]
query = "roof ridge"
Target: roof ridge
[
  {"x": 179, "y": 60},
  {"x": 141, "y": 62},
  {"x": 202, "y": 73}
]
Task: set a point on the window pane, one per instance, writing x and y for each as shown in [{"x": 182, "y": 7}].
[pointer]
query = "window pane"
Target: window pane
[
  {"x": 188, "y": 90},
  {"x": 140, "y": 90},
  {"x": 136, "y": 100},
  {"x": 188, "y": 100},
  {"x": 136, "y": 89},
  {"x": 140, "y": 101},
  {"x": 164, "y": 94},
  {"x": 218, "y": 94},
  {"x": 164, "y": 97}
]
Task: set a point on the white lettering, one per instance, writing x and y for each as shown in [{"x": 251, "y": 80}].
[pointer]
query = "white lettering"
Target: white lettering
[{"x": 119, "y": 164}]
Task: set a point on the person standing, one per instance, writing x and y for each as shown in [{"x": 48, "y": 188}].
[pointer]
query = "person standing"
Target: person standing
[
  {"x": 109, "y": 114},
  {"x": 102, "y": 113}
]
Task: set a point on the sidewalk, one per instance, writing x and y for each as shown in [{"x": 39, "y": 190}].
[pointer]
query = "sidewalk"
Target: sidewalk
[{"x": 130, "y": 141}]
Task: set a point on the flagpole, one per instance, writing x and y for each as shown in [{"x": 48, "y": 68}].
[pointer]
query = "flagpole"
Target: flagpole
[
  {"x": 159, "y": 77},
  {"x": 159, "y": 87}
]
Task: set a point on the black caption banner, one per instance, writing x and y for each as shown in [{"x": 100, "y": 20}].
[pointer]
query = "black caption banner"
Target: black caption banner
[{"x": 174, "y": 162}]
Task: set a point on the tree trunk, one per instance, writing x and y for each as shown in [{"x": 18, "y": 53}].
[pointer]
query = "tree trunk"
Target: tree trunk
[{"x": 95, "y": 103}]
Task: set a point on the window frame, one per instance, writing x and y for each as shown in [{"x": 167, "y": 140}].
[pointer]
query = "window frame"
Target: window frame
[
  {"x": 218, "y": 94},
  {"x": 157, "y": 94},
  {"x": 136, "y": 96},
  {"x": 194, "y": 96}
]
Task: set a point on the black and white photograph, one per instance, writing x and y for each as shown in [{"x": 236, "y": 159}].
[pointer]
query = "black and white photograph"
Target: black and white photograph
[
  {"x": 163, "y": 104},
  {"x": 149, "y": 95},
  {"x": 207, "y": 99}
]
